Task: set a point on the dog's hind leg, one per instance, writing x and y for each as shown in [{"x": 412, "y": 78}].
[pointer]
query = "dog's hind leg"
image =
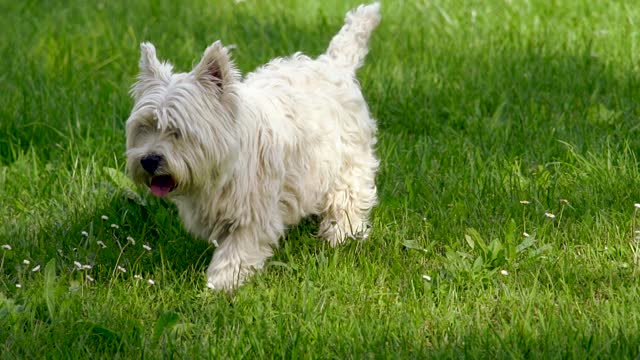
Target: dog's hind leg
[{"x": 348, "y": 204}]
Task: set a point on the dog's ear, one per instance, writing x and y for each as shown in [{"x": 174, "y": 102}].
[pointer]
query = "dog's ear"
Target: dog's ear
[
  {"x": 216, "y": 68},
  {"x": 149, "y": 63},
  {"x": 151, "y": 70}
]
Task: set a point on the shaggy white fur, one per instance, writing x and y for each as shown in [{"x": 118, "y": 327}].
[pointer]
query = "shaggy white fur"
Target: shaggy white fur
[{"x": 244, "y": 159}]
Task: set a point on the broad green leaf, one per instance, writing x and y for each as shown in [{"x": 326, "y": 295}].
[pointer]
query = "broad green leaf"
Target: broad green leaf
[
  {"x": 477, "y": 238},
  {"x": 165, "y": 322},
  {"x": 412, "y": 244},
  {"x": 478, "y": 264},
  {"x": 106, "y": 334},
  {"x": 540, "y": 250},
  {"x": 469, "y": 241},
  {"x": 122, "y": 182},
  {"x": 525, "y": 244}
]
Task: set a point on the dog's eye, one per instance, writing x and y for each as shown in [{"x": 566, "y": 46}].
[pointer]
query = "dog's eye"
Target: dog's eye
[
  {"x": 145, "y": 129},
  {"x": 174, "y": 134}
]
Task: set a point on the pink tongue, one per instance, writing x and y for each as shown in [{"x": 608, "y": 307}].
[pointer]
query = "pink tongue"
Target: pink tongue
[{"x": 161, "y": 185}]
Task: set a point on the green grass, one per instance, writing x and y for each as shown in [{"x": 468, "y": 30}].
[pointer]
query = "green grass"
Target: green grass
[{"x": 481, "y": 104}]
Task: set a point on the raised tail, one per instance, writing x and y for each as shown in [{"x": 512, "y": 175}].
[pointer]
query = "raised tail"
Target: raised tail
[{"x": 350, "y": 46}]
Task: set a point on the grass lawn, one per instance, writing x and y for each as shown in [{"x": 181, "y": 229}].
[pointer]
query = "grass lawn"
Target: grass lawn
[{"x": 482, "y": 104}]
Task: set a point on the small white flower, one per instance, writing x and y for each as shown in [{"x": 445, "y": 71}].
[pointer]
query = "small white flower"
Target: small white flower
[
  {"x": 77, "y": 264},
  {"x": 146, "y": 247},
  {"x": 525, "y": 234},
  {"x": 424, "y": 219},
  {"x": 150, "y": 281},
  {"x": 426, "y": 277},
  {"x": 637, "y": 205},
  {"x": 115, "y": 226},
  {"x": 99, "y": 242},
  {"x": 564, "y": 201},
  {"x": 84, "y": 233},
  {"x": 130, "y": 239},
  {"x": 549, "y": 215},
  {"x": 504, "y": 272},
  {"x": 86, "y": 267},
  {"x": 18, "y": 286},
  {"x": 26, "y": 262},
  {"x": 104, "y": 217},
  {"x": 524, "y": 202},
  {"x": 606, "y": 248},
  {"x": 137, "y": 277},
  {"x": 121, "y": 269},
  {"x": 88, "y": 277},
  {"x": 6, "y": 247},
  {"x": 36, "y": 268}
]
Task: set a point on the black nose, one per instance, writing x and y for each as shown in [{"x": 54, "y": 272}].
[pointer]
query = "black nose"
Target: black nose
[{"x": 151, "y": 163}]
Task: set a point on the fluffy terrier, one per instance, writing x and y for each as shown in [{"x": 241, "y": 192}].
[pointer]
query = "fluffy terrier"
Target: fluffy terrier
[{"x": 242, "y": 159}]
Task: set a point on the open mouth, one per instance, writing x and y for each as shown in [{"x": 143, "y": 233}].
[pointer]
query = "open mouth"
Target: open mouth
[{"x": 162, "y": 185}]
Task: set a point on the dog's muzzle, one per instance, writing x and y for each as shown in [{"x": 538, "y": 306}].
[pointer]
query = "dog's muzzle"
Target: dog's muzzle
[
  {"x": 160, "y": 185},
  {"x": 151, "y": 163}
]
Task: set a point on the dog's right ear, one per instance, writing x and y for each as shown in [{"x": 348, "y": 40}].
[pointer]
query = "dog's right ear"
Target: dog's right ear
[
  {"x": 151, "y": 70},
  {"x": 216, "y": 68},
  {"x": 150, "y": 66}
]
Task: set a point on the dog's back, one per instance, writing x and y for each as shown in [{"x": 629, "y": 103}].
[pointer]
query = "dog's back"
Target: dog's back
[{"x": 320, "y": 117}]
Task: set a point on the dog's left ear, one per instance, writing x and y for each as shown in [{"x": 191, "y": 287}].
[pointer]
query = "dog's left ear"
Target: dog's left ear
[{"x": 216, "y": 68}]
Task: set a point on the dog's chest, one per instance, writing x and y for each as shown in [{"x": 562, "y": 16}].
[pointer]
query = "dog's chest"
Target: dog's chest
[{"x": 203, "y": 222}]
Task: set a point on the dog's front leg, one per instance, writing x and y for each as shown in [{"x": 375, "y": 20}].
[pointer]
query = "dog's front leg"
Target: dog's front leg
[{"x": 237, "y": 257}]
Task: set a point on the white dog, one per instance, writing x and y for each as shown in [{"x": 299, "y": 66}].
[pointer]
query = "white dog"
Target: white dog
[{"x": 242, "y": 159}]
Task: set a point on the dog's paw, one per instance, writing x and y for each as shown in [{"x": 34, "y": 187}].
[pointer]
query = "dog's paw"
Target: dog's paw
[
  {"x": 226, "y": 278},
  {"x": 335, "y": 234}
]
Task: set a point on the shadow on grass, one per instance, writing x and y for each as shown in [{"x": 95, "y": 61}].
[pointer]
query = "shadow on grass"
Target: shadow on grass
[
  {"x": 134, "y": 239},
  {"x": 124, "y": 238}
]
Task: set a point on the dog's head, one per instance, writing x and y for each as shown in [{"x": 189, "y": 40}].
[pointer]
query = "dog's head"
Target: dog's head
[{"x": 182, "y": 130}]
